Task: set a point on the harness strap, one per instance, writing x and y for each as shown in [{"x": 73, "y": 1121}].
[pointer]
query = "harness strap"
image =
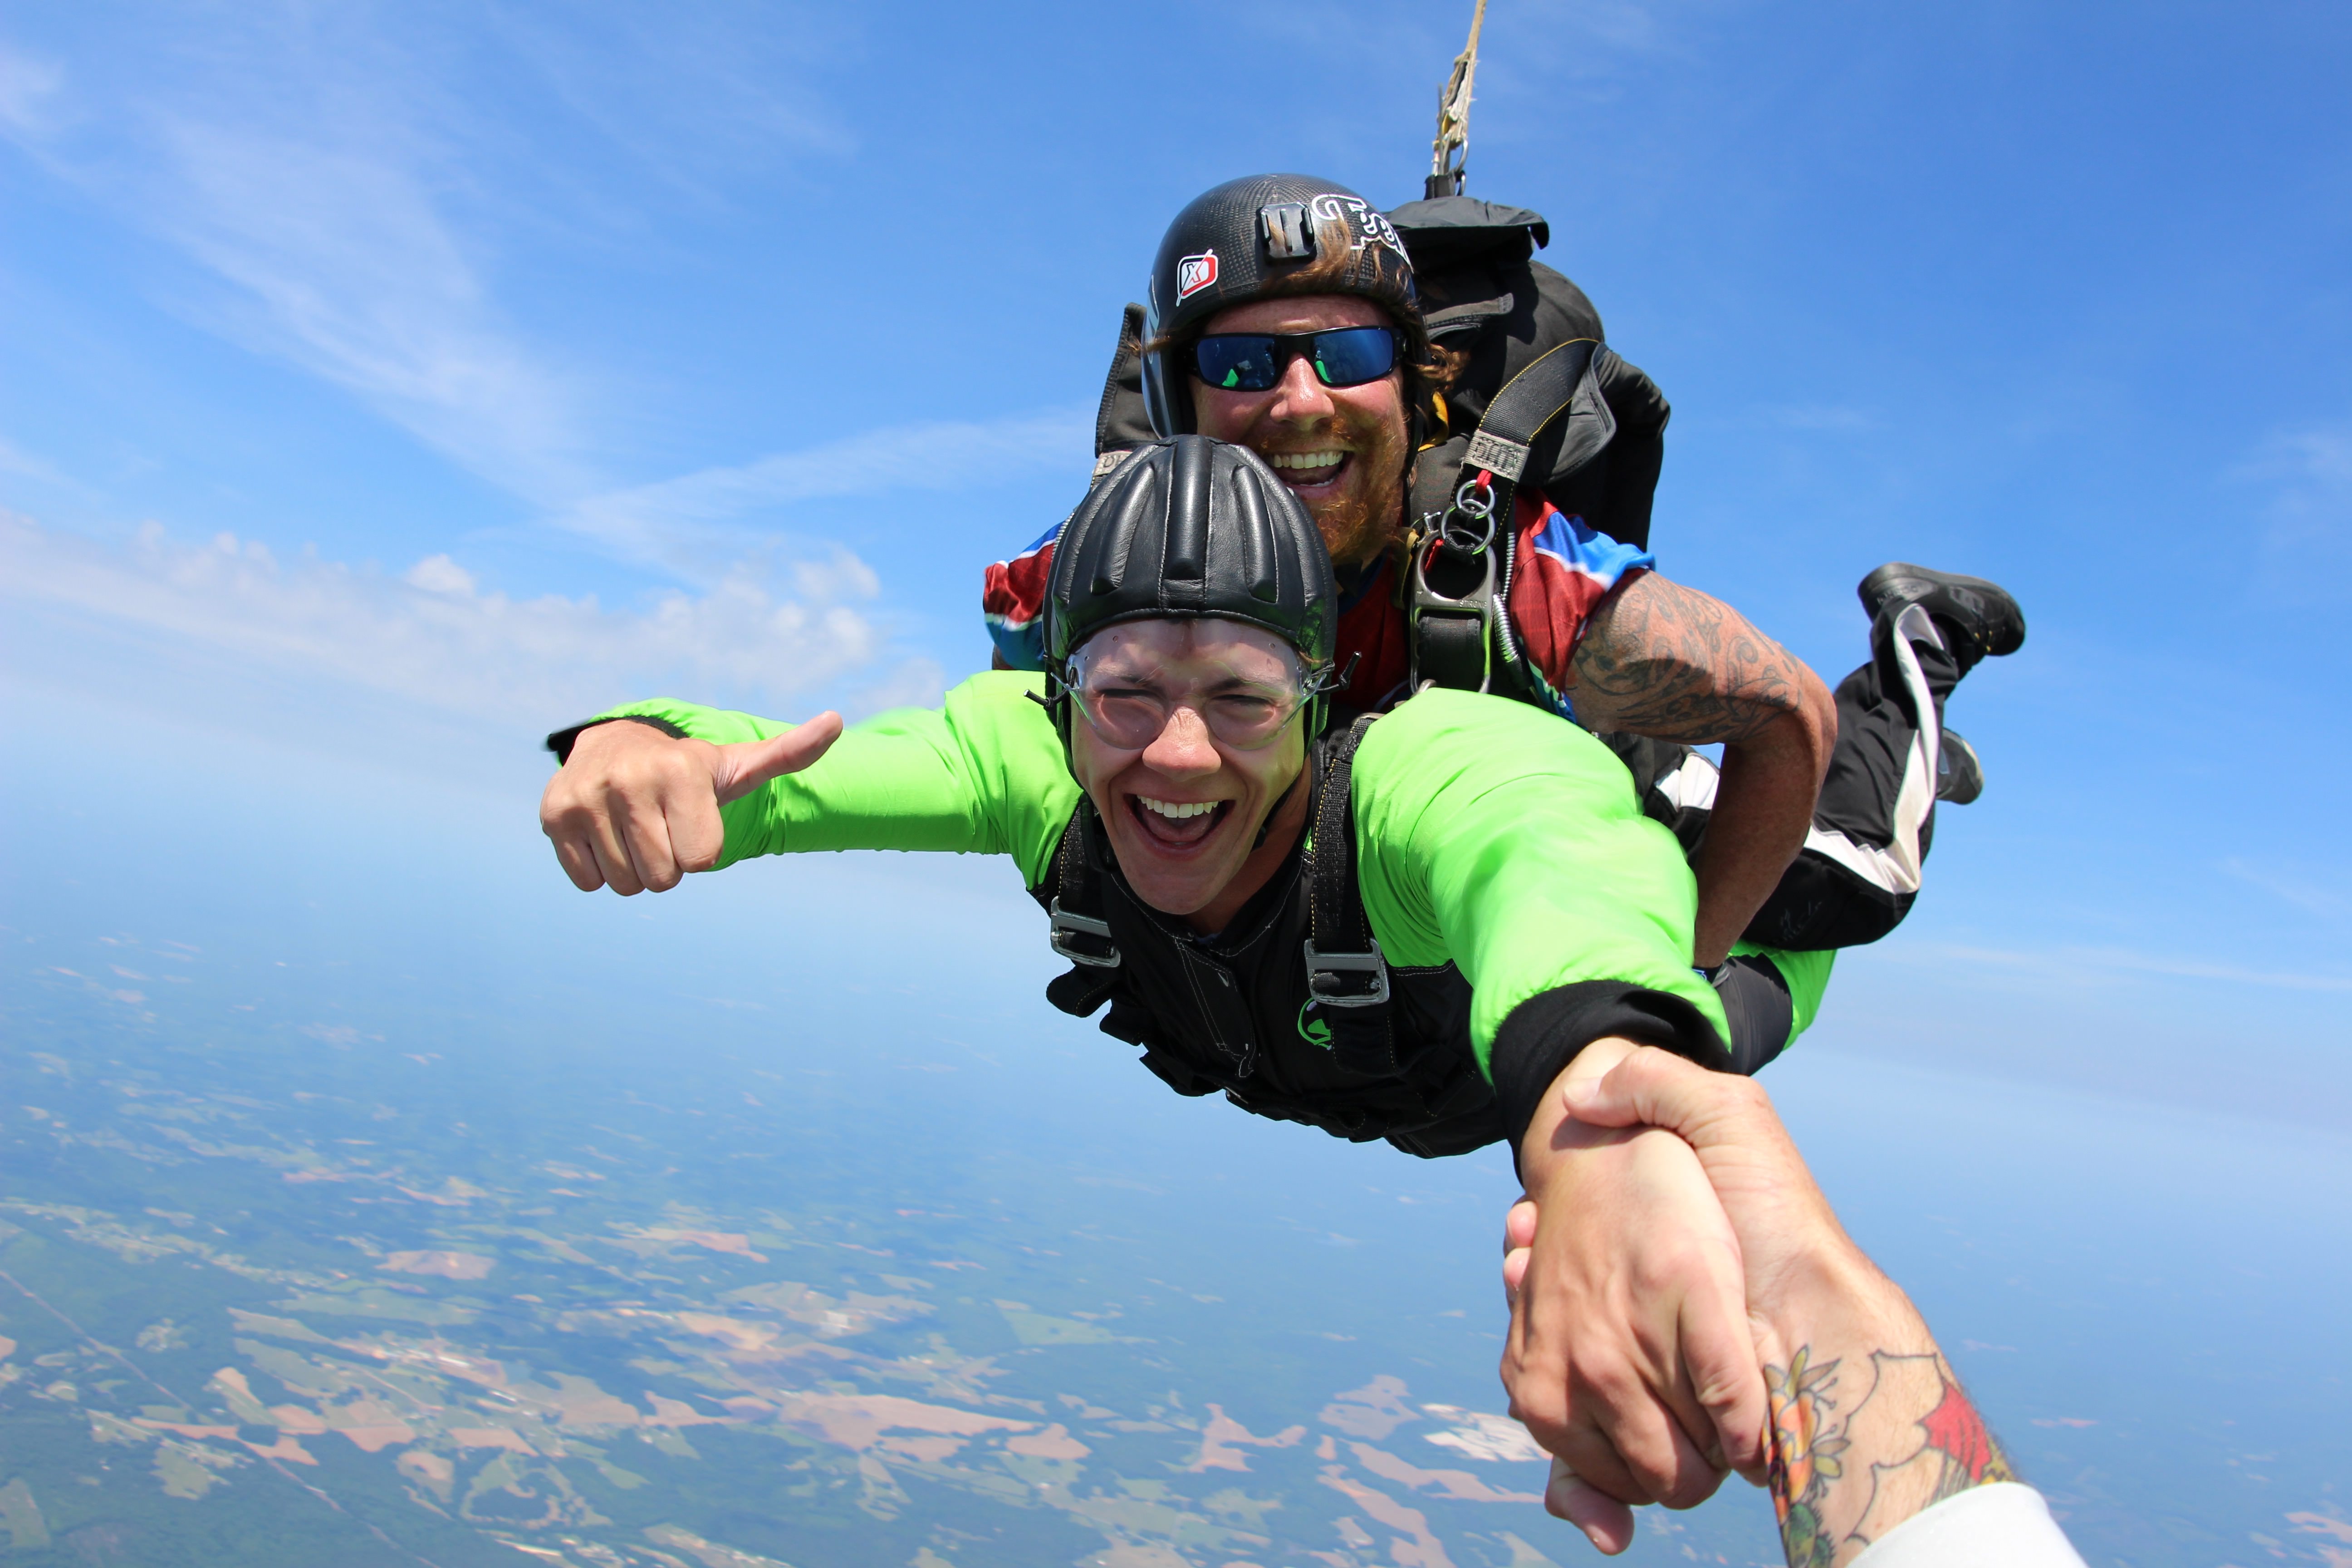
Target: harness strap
[
  {"x": 1460, "y": 582},
  {"x": 1077, "y": 928},
  {"x": 1078, "y": 931},
  {"x": 1344, "y": 964},
  {"x": 1561, "y": 380}
]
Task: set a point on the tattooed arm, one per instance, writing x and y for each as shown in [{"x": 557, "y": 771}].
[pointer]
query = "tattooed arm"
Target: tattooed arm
[
  {"x": 1869, "y": 1429},
  {"x": 1664, "y": 661}
]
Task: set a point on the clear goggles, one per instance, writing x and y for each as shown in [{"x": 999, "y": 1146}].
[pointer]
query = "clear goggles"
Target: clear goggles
[{"x": 1130, "y": 706}]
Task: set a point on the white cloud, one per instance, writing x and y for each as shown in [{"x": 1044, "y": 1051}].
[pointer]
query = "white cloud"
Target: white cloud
[
  {"x": 690, "y": 92},
  {"x": 2071, "y": 966},
  {"x": 345, "y": 204},
  {"x": 29, "y": 88},
  {"x": 2308, "y": 538},
  {"x": 2312, "y": 897},
  {"x": 346, "y": 265},
  {"x": 308, "y": 166},
  {"x": 439, "y": 575},
  {"x": 431, "y": 636},
  {"x": 659, "y": 521},
  {"x": 347, "y": 192},
  {"x": 14, "y": 460}
]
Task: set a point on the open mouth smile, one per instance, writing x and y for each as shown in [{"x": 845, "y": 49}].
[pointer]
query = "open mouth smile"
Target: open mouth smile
[
  {"x": 1176, "y": 826},
  {"x": 1309, "y": 471}
]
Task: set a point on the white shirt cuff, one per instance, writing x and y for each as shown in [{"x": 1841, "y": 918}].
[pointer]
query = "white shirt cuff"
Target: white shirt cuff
[{"x": 2003, "y": 1525}]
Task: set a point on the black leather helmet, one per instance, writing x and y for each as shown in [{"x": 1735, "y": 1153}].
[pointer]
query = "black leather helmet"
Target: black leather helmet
[
  {"x": 1193, "y": 527},
  {"x": 1251, "y": 240}
]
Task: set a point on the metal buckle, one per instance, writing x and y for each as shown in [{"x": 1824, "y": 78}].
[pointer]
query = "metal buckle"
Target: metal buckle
[
  {"x": 1479, "y": 606},
  {"x": 1322, "y": 964},
  {"x": 1062, "y": 923}
]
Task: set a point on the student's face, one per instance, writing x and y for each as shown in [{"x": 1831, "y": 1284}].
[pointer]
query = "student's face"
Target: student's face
[
  {"x": 1183, "y": 807},
  {"x": 1357, "y": 492}
]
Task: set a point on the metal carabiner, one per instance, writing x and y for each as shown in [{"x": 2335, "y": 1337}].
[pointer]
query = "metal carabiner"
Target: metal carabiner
[{"x": 1475, "y": 501}]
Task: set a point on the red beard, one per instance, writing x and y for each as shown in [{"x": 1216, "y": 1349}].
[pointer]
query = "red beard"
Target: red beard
[{"x": 1357, "y": 529}]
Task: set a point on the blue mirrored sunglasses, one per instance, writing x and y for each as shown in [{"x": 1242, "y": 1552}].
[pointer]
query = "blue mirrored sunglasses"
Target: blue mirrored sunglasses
[{"x": 1254, "y": 362}]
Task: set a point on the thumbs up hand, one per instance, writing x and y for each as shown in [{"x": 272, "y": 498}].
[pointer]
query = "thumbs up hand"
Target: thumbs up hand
[{"x": 635, "y": 809}]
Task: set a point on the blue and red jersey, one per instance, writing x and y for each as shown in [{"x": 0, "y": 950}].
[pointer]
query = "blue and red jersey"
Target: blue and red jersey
[{"x": 1565, "y": 571}]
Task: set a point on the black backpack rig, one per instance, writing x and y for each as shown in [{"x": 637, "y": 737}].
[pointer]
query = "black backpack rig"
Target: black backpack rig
[{"x": 1540, "y": 402}]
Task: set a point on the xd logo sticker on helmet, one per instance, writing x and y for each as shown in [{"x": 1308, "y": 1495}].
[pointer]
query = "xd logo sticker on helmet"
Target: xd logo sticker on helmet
[
  {"x": 1194, "y": 273},
  {"x": 1366, "y": 224}
]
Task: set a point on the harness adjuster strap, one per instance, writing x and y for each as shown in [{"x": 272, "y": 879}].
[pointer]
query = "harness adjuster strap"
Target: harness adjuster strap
[
  {"x": 1068, "y": 930},
  {"x": 1331, "y": 992}
]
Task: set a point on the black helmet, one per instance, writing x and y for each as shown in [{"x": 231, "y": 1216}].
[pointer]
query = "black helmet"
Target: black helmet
[
  {"x": 1193, "y": 527},
  {"x": 1250, "y": 239}
]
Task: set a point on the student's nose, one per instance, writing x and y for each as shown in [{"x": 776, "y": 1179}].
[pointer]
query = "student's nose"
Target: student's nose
[{"x": 1183, "y": 748}]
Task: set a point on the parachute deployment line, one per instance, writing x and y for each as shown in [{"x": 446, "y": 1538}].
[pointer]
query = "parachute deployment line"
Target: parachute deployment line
[{"x": 1445, "y": 167}]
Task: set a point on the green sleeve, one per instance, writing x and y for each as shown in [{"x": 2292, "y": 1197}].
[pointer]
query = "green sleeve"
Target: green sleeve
[
  {"x": 1501, "y": 840},
  {"x": 982, "y": 774}
]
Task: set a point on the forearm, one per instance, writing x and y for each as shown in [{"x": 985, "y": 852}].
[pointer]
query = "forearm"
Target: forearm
[
  {"x": 1670, "y": 662},
  {"x": 982, "y": 775},
  {"x": 1868, "y": 1430},
  {"x": 1667, "y": 661},
  {"x": 1869, "y": 1426},
  {"x": 1763, "y": 807}
]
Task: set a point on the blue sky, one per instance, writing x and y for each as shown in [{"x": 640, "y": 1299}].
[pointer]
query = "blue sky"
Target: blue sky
[{"x": 396, "y": 382}]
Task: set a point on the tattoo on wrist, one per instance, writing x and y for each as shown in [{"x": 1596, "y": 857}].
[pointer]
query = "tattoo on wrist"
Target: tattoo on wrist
[{"x": 1859, "y": 1449}]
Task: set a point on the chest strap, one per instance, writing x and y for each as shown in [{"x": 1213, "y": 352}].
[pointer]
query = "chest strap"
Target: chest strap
[
  {"x": 1076, "y": 927},
  {"x": 1078, "y": 931},
  {"x": 1461, "y": 570},
  {"x": 1344, "y": 964}
]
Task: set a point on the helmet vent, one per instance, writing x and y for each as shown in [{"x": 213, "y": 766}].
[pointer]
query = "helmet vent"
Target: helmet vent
[
  {"x": 1137, "y": 498},
  {"x": 1256, "y": 533},
  {"x": 1187, "y": 558}
]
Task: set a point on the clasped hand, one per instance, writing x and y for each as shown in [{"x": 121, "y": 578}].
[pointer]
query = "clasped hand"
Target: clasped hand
[
  {"x": 1669, "y": 1224},
  {"x": 1628, "y": 1358}
]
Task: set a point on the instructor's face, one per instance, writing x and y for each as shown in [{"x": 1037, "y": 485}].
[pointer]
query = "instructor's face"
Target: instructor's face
[
  {"x": 1340, "y": 448},
  {"x": 1184, "y": 810}
]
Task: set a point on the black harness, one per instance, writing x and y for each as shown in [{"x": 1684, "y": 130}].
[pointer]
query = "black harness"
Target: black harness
[
  {"x": 1293, "y": 1011},
  {"x": 1462, "y": 554}
]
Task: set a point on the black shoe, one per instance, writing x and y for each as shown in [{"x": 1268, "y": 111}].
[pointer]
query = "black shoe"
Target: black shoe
[
  {"x": 1979, "y": 619},
  {"x": 1960, "y": 776}
]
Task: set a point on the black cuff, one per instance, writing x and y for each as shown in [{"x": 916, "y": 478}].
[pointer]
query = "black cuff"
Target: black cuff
[
  {"x": 561, "y": 741},
  {"x": 1544, "y": 1033},
  {"x": 1756, "y": 1005}
]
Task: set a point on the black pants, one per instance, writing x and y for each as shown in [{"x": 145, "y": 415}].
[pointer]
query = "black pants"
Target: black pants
[{"x": 1860, "y": 869}]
